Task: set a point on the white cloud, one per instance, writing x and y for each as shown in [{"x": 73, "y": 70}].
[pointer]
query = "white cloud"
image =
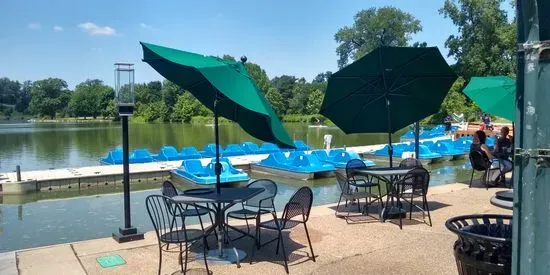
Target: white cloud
[
  {"x": 97, "y": 50},
  {"x": 93, "y": 29},
  {"x": 34, "y": 26},
  {"x": 148, "y": 27},
  {"x": 57, "y": 28}
]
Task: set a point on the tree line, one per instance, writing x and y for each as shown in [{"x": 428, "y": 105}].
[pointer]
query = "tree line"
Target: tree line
[{"x": 484, "y": 45}]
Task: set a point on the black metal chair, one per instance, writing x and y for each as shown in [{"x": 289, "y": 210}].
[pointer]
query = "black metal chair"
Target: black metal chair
[
  {"x": 171, "y": 228},
  {"x": 480, "y": 163},
  {"x": 349, "y": 193},
  {"x": 351, "y": 167},
  {"x": 410, "y": 163},
  {"x": 415, "y": 185},
  {"x": 296, "y": 212},
  {"x": 169, "y": 190},
  {"x": 253, "y": 208}
]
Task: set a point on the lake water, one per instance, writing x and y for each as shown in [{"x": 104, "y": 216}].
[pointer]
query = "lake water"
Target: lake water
[{"x": 47, "y": 218}]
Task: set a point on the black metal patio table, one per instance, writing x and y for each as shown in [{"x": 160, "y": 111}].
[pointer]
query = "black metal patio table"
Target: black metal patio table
[
  {"x": 221, "y": 202},
  {"x": 389, "y": 175}
]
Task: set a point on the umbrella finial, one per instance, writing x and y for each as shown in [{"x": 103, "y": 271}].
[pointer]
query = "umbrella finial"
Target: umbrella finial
[{"x": 243, "y": 59}]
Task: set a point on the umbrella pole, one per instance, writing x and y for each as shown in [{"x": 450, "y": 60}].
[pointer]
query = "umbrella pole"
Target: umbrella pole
[
  {"x": 416, "y": 139},
  {"x": 217, "y": 166},
  {"x": 390, "y": 147}
]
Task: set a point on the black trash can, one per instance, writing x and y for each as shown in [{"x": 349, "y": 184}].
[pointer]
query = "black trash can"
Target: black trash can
[{"x": 484, "y": 244}]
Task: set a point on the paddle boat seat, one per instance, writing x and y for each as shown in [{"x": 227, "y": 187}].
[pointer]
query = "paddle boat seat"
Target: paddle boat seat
[
  {"x": 250, "y": 148},
  {"x": 141, "y": 156},
  {"x": 233, "y": 150},
  {"x": 209, "y": 150},
  {"x": 269, "y": 148},
  {"x": 301, "y": 145},
  {"x": 190, "y": 153},
  {"x": 169, "y": 153},
  {"x": 113, "y": 157}
]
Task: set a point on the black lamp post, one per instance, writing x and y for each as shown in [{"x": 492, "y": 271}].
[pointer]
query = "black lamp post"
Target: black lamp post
[{"x": 125, "y": 95}]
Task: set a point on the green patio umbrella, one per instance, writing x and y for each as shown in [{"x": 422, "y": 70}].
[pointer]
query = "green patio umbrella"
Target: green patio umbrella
[
  {"x": 495, "y": 95},
  {"x": 225, "y": 87},
  {"x": 387, "y": 89}
]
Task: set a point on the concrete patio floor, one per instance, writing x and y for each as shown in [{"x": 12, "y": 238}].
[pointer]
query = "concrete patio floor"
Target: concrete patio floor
[{"x": 366, "y": 246}]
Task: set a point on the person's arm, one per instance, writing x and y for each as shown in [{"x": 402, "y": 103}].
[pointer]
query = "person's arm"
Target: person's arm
[{"x": 487, "y": 151}]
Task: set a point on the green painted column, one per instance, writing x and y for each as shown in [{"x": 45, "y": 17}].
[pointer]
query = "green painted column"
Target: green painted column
[{"x": 531, "y": 233}]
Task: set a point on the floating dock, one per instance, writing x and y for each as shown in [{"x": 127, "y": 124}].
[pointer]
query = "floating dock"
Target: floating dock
[{"x": 105, "y": 175}]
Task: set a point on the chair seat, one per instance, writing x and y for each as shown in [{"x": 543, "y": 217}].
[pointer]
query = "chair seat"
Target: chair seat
[
  {"x": 358, "y": 195},
  {"x": 190, "y": 212},
  {"x": 246, "y": 214},
  {"x": 179, "y": 236},
  {"x": 363, "y": 183},
  {"x": 273, "y": 225}
]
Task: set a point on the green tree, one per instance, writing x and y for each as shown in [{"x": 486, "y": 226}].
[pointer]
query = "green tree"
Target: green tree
[
  {"x": 111, "y": 110},
  {"x": 314, "y": 102},
  {"x": 285, "y": 85},
  {"x": 276, "y": 101},
  {"x": 170, "y": 93},
  {"x": 486, "y": 41},
  {"x": 49, "y": 96},
  {"x": 22, "y": 101},
  {"x": 187, "y": 107},
  {"x": 9, "y": 91},
  {"x": 148, "y": 93},
  {"x": 259, "y": 75},
  {"x": 90, "y": 98},
  {"x": 322, "y": 77},
  {"x": 155, "y": 112},
  {"x": 374, "y": 27}
]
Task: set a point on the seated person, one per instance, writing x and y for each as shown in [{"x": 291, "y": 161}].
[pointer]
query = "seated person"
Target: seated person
[
  {"x": 503, "y": 146},
  {"x": 503, "y": 165}
]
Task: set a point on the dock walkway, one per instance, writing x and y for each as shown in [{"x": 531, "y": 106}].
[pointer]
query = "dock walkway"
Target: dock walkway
[{"x": 84, "y": 177}]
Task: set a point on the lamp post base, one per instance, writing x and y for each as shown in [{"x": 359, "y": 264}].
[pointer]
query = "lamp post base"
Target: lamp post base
[{"x": 127, "y": 235}]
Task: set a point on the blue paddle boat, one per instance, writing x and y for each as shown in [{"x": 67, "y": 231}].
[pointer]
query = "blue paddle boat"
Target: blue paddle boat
[
  {"x": 169, "y": 153},
  {"x": 462, "y": 145},
  {"x": 300, "y": 167},
  {"x": 113, "y": 157},
  {"x": 339, "y": 158},
  {"x": 447, "y": 150},
  {"x": 232, "y": 150},
  {"x": 209, "y": 150},
  {"x": 269, "y": 148},
  {"x": 141, "y": 156},
  {"x": 301, "y": 145},
  {"x": 193, "y": 172},
  {"x": 190, "y": 152}
]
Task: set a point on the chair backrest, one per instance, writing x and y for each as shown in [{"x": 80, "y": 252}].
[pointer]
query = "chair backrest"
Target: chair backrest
[
  {"x": 299, "y": 205},
  {"x": 167, "y": 215},
  {"x": 410, "y": 163},
  {"x": 141, "y": 153},
  {"x": 320, "y": 154},
  {"x": 417, "y": 180},
  {"x": 479, "y": 161},
  {"x": 168, "y": 189},
  {"x": 343, "y": 182},
  {"x": 190, "y": 151},
  {"x": 267, "y": 197},
  {"x": 352, "y": 166},
  {"x": 193, "y": 166}
]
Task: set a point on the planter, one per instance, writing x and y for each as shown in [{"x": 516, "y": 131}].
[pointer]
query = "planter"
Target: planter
[{"x": 484, "y": 244}]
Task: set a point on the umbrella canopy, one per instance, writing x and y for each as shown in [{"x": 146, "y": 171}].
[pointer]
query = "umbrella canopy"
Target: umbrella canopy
[
  {"x": 209, "y": 78},
  {"x": 495, "y": 95},
  {"x": 387, "y": 89}
]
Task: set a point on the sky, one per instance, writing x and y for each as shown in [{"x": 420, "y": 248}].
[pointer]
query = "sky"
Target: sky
[{"x": 78, "y": 40}]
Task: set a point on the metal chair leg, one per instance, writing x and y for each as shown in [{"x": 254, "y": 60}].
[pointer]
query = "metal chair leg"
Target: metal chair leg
[
  {"x": 338, "y": 205},
  {"x": 283, "y": 248},
  {"x": 427, "y": 209},
  {"x": 160, "y": 258},
  {"x": 411, "y": 207},
  {"x": 186, "y": 257},
  {"x": 471, "y": 178},
  {"x": 205, "y": 255},
  {"x": 309, "y": 242}
]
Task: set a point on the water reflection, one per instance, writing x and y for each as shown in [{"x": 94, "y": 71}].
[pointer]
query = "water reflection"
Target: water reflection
[{"x": 55, "y": 145}]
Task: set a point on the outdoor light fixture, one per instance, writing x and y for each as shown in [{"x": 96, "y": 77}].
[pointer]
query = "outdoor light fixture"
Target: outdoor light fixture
[{"x": 125, "y": 100}]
